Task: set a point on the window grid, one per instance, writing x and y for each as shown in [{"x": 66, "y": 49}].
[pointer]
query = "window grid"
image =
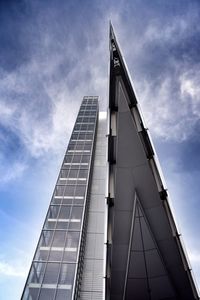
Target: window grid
[{"x": 57, "y": 250}]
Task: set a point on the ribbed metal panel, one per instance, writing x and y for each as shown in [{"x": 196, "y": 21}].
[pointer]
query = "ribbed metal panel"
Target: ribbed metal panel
[
  {"x": 92, "y": 274},
  {"x": 97, "y": 203},
  {"x": 96, "y": 222},
  {"x": 94, "y": 246},
  {"x": 91, "y": 295}
]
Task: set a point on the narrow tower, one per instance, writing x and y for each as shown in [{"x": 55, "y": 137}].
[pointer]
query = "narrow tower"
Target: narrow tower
[{"x": 145, "y": 253}]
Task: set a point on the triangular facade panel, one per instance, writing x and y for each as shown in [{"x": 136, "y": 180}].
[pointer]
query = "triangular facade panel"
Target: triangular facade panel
[{"x": 155, "y": 265}]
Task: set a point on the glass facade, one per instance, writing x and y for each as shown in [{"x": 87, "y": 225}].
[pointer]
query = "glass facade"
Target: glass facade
[{"x": 53, "y": 271}]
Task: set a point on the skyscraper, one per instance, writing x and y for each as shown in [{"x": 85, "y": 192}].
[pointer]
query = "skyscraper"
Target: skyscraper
[{"x": 109, "y": 232}]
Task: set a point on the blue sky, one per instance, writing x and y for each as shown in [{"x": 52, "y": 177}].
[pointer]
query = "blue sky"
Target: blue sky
[{"x": 52, "y": 53}]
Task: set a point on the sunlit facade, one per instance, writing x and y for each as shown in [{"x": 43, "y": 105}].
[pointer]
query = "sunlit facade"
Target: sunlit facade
[
  {"x": 109, "y": 232},
  {"x": 57, "y": 261}
]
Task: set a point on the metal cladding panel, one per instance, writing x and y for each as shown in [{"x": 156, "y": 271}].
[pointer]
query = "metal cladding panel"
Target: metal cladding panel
[
  {"x": 146, "y": 255},
  {"x": 133, "y": 173},
  {"x": 94, "y": 246},
  {"x": 96, "y": 203},
  {"x": 91, "y": 295},
  {"x": 96, "y": 224},
  {"x": 127, "y": 143},
  {"x": 92, "y": 274}
]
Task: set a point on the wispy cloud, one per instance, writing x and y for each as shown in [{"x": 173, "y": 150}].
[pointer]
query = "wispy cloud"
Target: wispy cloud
[
  {"x": 7, "y": 269},
  {"x": 169, "y": 91},
  {"x": 49, "y": 87},
  {"x": 195, "y": 257},
  {"x": 195, "y": 260},
  {"x": 8, "y": 173}
]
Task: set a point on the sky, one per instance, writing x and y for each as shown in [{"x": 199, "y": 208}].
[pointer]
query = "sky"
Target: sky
[{"x": 52, "y": 53}]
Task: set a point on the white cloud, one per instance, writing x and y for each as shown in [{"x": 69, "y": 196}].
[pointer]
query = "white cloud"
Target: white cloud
[
  {"x": 5, "y": 111},
  {"x": 195, "y": 257},
  {"x": 11, "y": 172},
  {"x": 171, "y": 32},
  {"x": 172, "y": 109},
  {"x": 7, "y": 269},
  {"x": 190, "y": 90},
  {"x": 169, "y": 94},
  {"x": 41, "y": 131}
]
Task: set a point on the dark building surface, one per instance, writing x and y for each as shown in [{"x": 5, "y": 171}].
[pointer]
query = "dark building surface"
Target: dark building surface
[{"x": 147, "y": 259}]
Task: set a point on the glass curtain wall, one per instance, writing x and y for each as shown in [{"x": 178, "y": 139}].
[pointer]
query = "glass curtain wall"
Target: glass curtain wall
[{"x": 53, "y": 271}]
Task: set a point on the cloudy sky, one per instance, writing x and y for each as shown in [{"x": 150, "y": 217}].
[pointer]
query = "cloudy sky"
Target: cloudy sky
[{"x": 52, "y": 53}]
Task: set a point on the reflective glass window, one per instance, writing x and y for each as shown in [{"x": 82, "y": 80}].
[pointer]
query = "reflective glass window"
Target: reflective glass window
[
  {"x": 69, "y": 190},
  {"x": 51, "y": 273},
  {"x": 85, "y": 120},
  {"x": 67, "y": 274},
  {"x": 37, "y": 272},
  {"x": 30, "y": 294},
  {"x": 79, "y": 166},
  {"x": 84, "y": 127},
  {"x": 47, "y": 294},
  {"x": 59, "y": 190},
  {"x": 92, "y": 119},
  {"x": 67, "y": 201},
  {"x": 79, "y": 119},
  {"x": 64, "y": 212},
  {"x": 55, "y": 255},
  {"x": 59, "y": 239},
  {"x": 75, "y": 225},
  {"x": 64, "y": 173},
  {"x": 89, "y": 136},
  {"x": 79, "y": 146},
  {"x": 79, "y": 201},
  {"x": 80, "y": 190},
  {"x": 49, "y": 224},
  {"x": 62, "y": 225},
  {"x": 63, "y": 294},
  {"x": 53, "y": 211},
  {"x": 72, "y": 239},
  {"x": 93, "y": 113},
  {"x": 41, "y": 254},
  {"x": 71, "y": 181},
  {"x": 82, "y": 136},
  {"x": 70, "y": 256},
  {"x": 85, "y": 158},
  {"x": 56, "y": 200},
  {"x": 87, "y": 113},
  {"x": 83, "y": 173},
  {"x": 73, "y": 173},
  {"x": 75, "y": 136},
  {"x": 87, "y": 146},
  {"x": 76, "y": 159},
  {"x": 46, "y": 238},
  {"x": 76, "y": 212},
  {"x": 71, "y": 146},
  {"x": 90, "y": 127},
  {"x": 68, "y": 158}
]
